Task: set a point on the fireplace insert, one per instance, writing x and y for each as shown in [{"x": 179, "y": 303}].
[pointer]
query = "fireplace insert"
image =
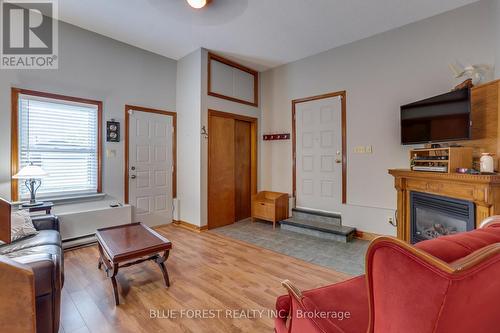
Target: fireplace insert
[{"x": 433, "y": 216}]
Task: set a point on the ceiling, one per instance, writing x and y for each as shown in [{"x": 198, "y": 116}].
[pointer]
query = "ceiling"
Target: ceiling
[{"x": 262, "y": 33}]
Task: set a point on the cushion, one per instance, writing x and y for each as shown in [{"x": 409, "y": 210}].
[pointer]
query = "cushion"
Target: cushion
[
  {"x": 348, "y": 296},
  {"x": 21, "y": 225},
  {"x": 453, "y": 247},
  {"x": 42, "y": 238}
]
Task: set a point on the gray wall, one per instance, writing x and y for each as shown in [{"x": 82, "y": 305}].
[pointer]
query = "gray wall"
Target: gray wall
[
  {"x": 380, "y": 74},
  {"x": 96, "y": 67}
]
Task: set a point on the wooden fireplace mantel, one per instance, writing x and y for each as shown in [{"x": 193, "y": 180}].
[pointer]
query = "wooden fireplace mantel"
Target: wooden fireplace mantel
[{"x": 482, "y": 190}]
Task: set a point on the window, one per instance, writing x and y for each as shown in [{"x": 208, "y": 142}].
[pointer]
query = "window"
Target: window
[
  {"x": 232, "y": 81},
  {"x": 60, "y": 134}
]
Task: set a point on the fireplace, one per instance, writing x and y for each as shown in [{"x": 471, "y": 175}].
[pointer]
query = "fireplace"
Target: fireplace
[{"x": 433, "y": 216}]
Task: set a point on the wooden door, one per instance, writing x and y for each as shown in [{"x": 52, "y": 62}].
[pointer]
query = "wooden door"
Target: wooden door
[
  {"x": 221, "y": 184},
  {"x": 319, "y": 154},
  {"x": 150, "y": 171},
  {"x": 242, "y": 132}
]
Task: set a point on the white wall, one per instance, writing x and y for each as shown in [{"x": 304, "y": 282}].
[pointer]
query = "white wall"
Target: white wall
[
  {"x": 93, "y": 66},
  {"x": 379, "y": 74},
  {"x": 189, "y": 139}
]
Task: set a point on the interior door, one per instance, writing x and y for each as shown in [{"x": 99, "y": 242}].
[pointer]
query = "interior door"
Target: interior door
[
  {"x": 150, "y": 167},
  {"x": 221, "y": 177},
  {"x": 319, "y": 154},
  {"x": 243, "y": 191}
]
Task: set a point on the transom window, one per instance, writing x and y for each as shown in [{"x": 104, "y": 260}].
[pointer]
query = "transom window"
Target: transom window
[{"x": 61, "y": 135}]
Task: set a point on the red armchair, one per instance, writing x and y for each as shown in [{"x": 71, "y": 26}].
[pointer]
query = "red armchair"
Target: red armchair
[{"x": 448, "y": 284}]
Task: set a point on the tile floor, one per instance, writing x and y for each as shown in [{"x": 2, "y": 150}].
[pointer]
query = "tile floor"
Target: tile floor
[{"x": 347, "y": 258}]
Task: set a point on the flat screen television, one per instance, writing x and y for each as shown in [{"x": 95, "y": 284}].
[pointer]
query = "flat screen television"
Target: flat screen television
[{"x": 437, "y": 119}]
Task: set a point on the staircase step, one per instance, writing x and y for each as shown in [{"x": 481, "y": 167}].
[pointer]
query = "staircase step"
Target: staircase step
[
  {"x": 318, "y": 216},
  {"x": 319, "y": 229}
]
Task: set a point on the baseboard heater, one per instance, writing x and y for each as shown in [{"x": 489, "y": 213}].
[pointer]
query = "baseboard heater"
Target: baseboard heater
[
  {"x": 77, "y": 242},
  {"x": 79, "y": 222}
]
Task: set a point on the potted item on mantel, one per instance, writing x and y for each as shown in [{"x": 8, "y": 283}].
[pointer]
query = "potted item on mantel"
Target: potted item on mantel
[{"x": 487, "y": 163}]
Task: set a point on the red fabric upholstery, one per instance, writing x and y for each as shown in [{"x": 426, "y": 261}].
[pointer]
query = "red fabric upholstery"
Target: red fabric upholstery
[
  {"x": 408, "y": 291},
  {"x": 454, "y": 247},
  {"x": 345, "y": 297}
]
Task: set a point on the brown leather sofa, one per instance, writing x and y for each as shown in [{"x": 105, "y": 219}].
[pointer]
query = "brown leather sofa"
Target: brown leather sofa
[{"x": 44, "y": 255}]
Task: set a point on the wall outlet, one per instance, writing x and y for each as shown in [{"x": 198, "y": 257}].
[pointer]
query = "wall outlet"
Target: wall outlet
[{"x": 390, "y": 220}]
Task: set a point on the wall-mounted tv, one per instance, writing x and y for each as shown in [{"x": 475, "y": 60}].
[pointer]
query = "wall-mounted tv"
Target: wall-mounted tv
[{"x": 437, "y": 119}]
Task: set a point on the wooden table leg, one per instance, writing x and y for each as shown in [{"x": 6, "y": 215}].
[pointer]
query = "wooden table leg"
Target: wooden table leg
[
  {"x": 161, "y": 262},
  {"x": 115, "y": 286},
  {"x": 111, "y": 271},
  {"x": 101, "y": 256}
]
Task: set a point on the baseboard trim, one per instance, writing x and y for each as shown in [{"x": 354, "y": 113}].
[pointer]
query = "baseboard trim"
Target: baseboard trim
[
  {"x": 364, "y": 235},
  {"x": 189, "y": 226}
]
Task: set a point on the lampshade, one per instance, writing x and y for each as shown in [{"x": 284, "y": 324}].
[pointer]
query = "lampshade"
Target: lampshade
[
  {"x": 30, "y": 171},
  {"x": 198, "y": 3}
]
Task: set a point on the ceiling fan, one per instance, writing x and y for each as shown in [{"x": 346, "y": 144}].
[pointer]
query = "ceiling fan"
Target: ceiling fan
[{"x": 198, "y": 4}]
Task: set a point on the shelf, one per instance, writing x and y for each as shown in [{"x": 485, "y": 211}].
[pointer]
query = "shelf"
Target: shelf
[
  {"x": 452, "y": 158},
  {"x": 433, "y": 149}
]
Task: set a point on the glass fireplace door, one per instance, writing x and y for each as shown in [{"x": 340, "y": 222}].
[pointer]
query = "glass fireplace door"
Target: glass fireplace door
[{"x": 434, "y": 216}]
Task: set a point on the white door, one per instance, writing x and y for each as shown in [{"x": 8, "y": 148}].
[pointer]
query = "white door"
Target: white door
[
  {"x": 150, "y": 167},
  {"x": 319, "y": 154}
]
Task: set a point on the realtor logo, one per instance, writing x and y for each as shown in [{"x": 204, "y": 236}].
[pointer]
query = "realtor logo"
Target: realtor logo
[{"x": 29, "y": 34}]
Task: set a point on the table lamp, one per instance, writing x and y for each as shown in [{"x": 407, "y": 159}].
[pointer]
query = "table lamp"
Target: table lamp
[{"x": 32, "y": 175}]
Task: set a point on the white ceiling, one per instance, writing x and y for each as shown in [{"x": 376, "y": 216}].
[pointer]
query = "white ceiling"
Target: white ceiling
[{"x": 264, "y": 33}]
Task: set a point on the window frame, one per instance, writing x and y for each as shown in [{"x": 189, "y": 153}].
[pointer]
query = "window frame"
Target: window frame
[
  {"x": 14, "y": 151},
  {"x": 213, "y": 57}
]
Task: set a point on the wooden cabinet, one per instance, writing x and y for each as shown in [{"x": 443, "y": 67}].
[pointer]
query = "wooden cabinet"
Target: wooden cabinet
[
  {"x": 485, "y": 131},
  {"x": 270, "y": 206},
  {"x": 445, "y": 160}
]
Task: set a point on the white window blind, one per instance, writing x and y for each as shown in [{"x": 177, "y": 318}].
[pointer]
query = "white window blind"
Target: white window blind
[{"x": 61, "y": 137}]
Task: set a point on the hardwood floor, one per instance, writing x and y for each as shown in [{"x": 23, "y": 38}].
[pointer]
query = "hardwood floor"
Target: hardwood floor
[{"x": 207, "y": 271}]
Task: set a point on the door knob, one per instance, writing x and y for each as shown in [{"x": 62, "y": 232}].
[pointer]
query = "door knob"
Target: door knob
[
  {"x": 132, "y": 168},
  {"x": 338, "y": 161},
  {"x": 133, "y": 176}
]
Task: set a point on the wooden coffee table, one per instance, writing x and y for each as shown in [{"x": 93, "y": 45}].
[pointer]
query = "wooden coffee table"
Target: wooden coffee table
[{"x": 130, "y": 244}]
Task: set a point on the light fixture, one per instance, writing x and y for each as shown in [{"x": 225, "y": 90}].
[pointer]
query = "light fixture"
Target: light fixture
[
  {"x": 32, "y": 174},
  {"x": 197, "y": 4}
]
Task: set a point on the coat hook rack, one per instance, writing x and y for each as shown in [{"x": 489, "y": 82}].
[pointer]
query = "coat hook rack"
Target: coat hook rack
[
  {"x": 273, "y": 137},
  {"x": 204, "y": 132}
]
